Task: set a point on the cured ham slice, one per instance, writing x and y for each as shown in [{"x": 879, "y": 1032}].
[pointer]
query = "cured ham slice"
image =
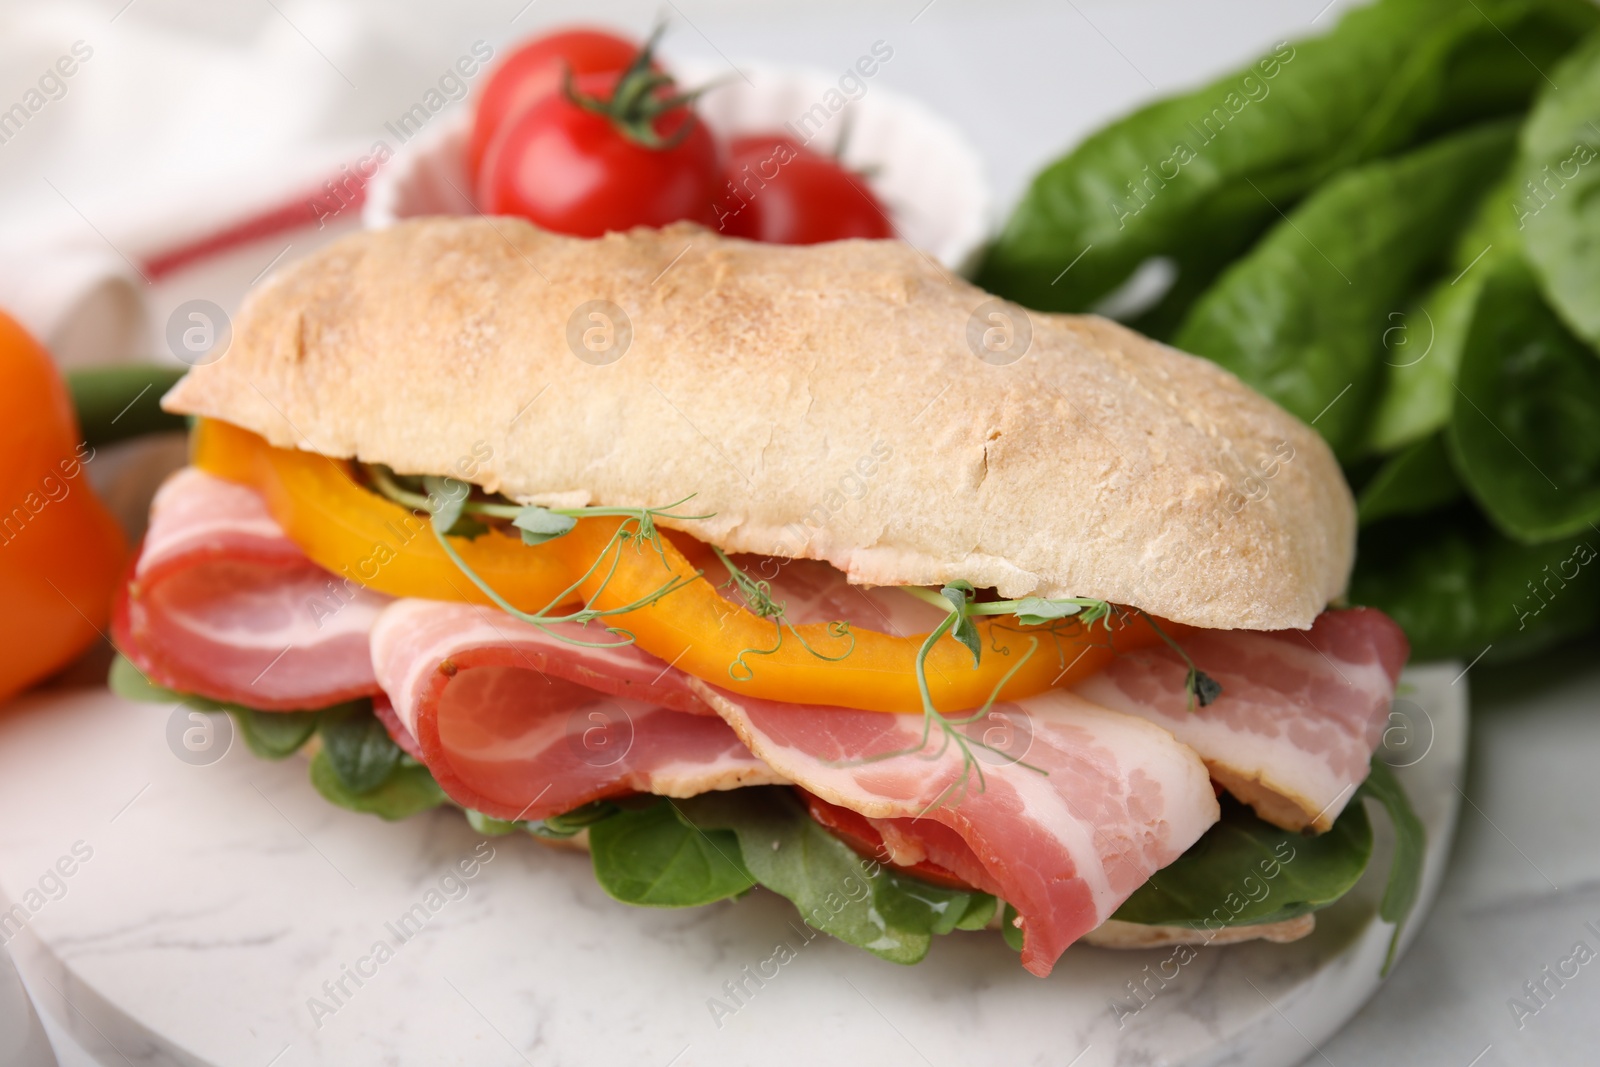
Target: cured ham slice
[
  {"x": 1119, "y": 799},
  {"x": 1300, "y": 715},
  {"x": 518, "y": 724},
  {"x": 224, "y": 605}
]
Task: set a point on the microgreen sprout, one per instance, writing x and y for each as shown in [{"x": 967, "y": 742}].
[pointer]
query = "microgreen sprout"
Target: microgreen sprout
[
  {"x": 958, "y": 598},
  {"x": 446, "y": 501},
  {"x": 757, "y": 597}
]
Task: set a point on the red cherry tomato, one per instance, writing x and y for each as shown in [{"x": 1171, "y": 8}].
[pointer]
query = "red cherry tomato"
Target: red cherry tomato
[
  {"x": 782, "y": 192},
  {"x": 535, "y": 70},
  {"x": 571, "y": 170}
]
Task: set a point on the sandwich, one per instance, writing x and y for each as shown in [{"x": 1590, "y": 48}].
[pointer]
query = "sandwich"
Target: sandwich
[{"x": 807, "y": 568}]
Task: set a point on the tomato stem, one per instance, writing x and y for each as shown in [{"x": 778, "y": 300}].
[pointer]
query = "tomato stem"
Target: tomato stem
[{"x": 642, "y": 95}]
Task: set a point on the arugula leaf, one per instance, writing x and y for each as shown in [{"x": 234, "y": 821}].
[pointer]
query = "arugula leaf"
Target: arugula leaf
[
  {"x": 1458, "y": 587},
  {"x": 1413, "y": 482},
  {"x": 1197, "y": 177},
  {"x": 1302, "y": 317},
  {"x": 1527, "y": 438},
  {"x": 1410, "y": 844},
  {"x": 539, "y": 525},
  {"x": 1558, "y": 189},
  {"x": 1245, "y": 871},
  {"x": 409, "y": 790},
  {"x": 358, "y": 747},
  {"x": 656, "y": 858},
  {"x": 270, "y": 734}
]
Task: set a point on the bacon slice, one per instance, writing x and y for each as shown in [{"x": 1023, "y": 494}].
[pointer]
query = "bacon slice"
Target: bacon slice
[
  {"x": 519, "y": 724},
  {"x": 224, "y": 605},
  {"x": 1300, "y": 715},
  {"x": 812, "y": 591},
  {"x": 1120, "y": 799}
]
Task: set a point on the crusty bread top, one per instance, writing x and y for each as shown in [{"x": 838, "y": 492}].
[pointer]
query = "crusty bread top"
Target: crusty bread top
[{"x": 822, "y": 401}]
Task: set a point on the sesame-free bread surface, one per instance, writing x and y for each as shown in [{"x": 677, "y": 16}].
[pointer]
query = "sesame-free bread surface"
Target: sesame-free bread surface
[{"x": 825, "y": 401}]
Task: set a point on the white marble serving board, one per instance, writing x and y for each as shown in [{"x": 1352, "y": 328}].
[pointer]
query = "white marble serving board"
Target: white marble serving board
[{"x": 220, "y": 898}]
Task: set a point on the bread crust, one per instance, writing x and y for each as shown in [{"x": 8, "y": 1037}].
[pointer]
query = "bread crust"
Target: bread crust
[{"x": 822, "y": 401}]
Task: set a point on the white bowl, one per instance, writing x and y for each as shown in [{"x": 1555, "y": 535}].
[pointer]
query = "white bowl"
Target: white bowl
[{"x": 924, "y": 171}]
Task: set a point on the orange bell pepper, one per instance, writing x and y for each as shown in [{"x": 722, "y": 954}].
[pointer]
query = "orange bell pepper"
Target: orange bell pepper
[
  {"x": 61, "y": 552},
  {"x": 353, "y": 532},
  {"x": 350, "y": 530}
]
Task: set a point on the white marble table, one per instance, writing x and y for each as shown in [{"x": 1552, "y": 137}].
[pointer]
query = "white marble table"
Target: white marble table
[{"x": 213, "y": 910}]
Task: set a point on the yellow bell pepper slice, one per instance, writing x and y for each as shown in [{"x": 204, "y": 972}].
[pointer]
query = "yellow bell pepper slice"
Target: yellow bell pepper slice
[{"x": 352, "y": 531}]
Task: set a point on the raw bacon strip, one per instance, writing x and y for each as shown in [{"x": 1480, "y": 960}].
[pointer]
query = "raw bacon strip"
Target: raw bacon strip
[
  {"x": 224, "y": 605},
  {"x": 1300, "y": 714},
  {"x": 384, "y": 710},
  {"x": 1120, "y": 800},
  {"x": 520, "y": 725},
  {"x": 812, "y": 591}
]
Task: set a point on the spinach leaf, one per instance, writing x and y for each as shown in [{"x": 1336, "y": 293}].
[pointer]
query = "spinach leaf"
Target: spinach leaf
[
  {"x": 358, "y": 747},
  {"x": 275, "y": 734},
  {"x": 1245, "y": 871},
  {"x": 1009, "y": 928},
  {"x": 1557, "y": 198},
  {"x": 572, "y": 823},
  {"x": 1459, "y": 587},
  {"x": 129, "y": 682},
  {"x": 835, "y": 890},
  {"x": 1526, "y": 431},
  {"x": 1410, "y": 844},
  {"x": 270, "y": 734},
  {"x": 1422, "y": 346},
  {"x": 489, "y": 826},
  {"x": 408, "y": 790},
  {"x": 654, "y": 857},
  {"x": 980, "y": 912},
  {"x": 1302, "y": 318},
  {"x": 1198, "y": 176},
  {"x": 1413, "y": 482}
]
